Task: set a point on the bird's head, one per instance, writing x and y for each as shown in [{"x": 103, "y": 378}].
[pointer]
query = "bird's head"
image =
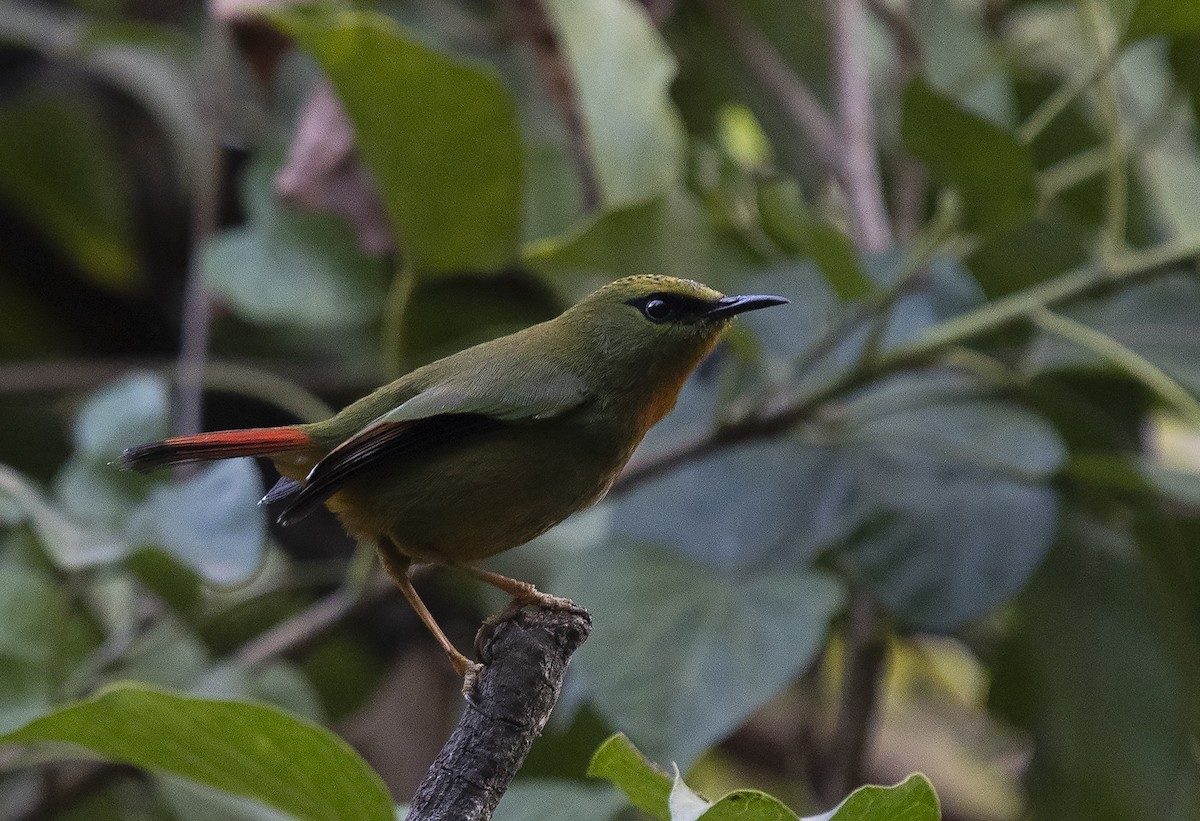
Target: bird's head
[{"x": 657, "y": 325}]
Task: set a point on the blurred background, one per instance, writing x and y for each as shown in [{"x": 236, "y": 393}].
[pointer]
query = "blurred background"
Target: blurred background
[{"x": 941, "y": 513}]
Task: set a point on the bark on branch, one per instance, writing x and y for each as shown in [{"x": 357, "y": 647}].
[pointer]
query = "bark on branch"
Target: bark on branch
[{"x": 525, "y": 660}]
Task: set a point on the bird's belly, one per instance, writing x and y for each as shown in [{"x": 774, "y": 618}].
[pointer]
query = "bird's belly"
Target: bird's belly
[{"x": 466, "y": 503}]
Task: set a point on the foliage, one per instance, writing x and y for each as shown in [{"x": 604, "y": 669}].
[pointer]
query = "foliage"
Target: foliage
[{"x": 956, "y": 479}]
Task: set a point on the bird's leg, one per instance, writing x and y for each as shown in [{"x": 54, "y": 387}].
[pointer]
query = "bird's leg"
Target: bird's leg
[
  {"x": 523, "y": 593},
  {"x": 397, "y": 567}
]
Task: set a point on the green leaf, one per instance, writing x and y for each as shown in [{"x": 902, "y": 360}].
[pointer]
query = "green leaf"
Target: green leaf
[
  {"x": 991, "y": 169},
  {"x": 1086, "y": 671},
  {"x": 292, "y": 267},
  {"x": 913, "y": 799},
  {"x": 684, "y": 664},
  {"x": 246, "y": 750},
  {"x": 786, "y": 220},
  {"x": 440, "y": 135},
  {"x": 749, "y": 805},
  {"x": 645, "y": 785},
  {"x": 1174, "y": 17},
  {"x": 61, "y": 171},
  {"x": 551, "y": 799},
  {"x": 621, "y": 73}
]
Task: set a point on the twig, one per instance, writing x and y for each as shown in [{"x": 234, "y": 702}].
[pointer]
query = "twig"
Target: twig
[
  {"x": 865, "y": 656},
  {"x": 309, "y": 623},
  {"x": 206, "y": 213},
  {"x": 862, "y": 181},
  {"x": 556, "y": 77},
  {"x": 797, "y": 101},
  {"x": 526, "y": 658}
]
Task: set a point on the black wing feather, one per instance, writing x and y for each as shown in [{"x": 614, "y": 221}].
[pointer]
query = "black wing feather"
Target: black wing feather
[{"x": 372, "y": 447}]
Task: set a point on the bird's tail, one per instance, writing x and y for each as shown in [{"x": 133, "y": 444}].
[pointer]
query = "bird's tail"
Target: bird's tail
[{"x": 220, "y": 445}]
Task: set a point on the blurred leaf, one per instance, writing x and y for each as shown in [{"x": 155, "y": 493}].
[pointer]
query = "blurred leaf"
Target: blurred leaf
[
  {"x": 190, "y": 801},
  {"x": 440, "y": 135},
  {"x": 913, "y": 799},
  {"x": 61, "y": 171},
  {"x": 786, "y": 220},
  {"x": 644, "y": 784},
  {"x": 287, "y": 266},
  {"x": 69, "y": 544},
  {"x": 992, "y": 170},
  {"x": 665, "y": 236},
  {"x": 743, "y": 506},
  {"x": 1174, "y": 17},
  {"x": 245, "y": 750},
  {"x": 126, "y": 412},
  {"x": 621, "y": 73},
  {"x": 1158, "y": 320},
  {"x": 547, "y": 799},
  {"x": 948, "y": 493},
  {"x": 212, "y": 521},
  {"x": 167, "y": 654},
  {"x": 671, "y": 662},
  {"x": 1030, "y": 253},
  {"x": 1086, "y": 672},
  {"x": 29, "y": 608}
]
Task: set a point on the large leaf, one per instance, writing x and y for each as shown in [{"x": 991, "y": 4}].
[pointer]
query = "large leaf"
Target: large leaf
[
  {"x": 621, "y": 73},
  {"x": 949, "y": 487},
  {"x": 292, "y": 267},
  {"x": 682, "y": 664},
  {"x": 245, "y": 750},
  {"x": 440, "y": 135},
  {"x": 992, "y": 170},
  {"x": 1086, "y": 671}
]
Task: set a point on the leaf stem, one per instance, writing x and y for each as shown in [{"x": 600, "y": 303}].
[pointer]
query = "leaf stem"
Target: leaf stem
[{"x": 1128, "y": 361}]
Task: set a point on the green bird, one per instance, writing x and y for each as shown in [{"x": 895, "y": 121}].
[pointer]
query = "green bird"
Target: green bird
[{"x": 481, "y": 451}]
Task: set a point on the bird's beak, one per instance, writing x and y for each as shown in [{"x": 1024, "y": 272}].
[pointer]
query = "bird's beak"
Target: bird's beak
[{"x": 728, "y": 306}]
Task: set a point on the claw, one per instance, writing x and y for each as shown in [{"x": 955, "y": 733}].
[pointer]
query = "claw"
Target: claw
[{"x": 469, "y": 678}]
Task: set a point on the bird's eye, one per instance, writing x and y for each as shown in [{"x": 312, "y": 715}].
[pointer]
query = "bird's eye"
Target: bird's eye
[{"x": 658, "y": 310}]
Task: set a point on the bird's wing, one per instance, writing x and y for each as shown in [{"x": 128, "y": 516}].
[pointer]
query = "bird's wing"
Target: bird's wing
[{"x": 431, "y": 418}]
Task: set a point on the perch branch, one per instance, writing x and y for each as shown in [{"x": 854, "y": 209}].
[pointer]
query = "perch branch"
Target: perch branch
[{"x": 525, "y": 660}]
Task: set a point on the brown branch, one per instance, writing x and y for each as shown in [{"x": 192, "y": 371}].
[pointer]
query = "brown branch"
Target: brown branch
[
  {"x": 865, "y": 657},
  {"x": 555, "y": 73},
  {"x": 802, "y": 106},
  {"x": 861, "y": 178},
  {"x": 525, "y": 660}
]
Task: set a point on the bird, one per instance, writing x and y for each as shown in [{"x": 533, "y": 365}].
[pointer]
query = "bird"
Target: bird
[{"x": 489, "y": 447}]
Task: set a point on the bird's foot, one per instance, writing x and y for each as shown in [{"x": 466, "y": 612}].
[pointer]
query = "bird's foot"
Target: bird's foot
[
  {"x": 470, "y": 676},
  {"x": 534, "y": 598},
  {"x": 556, "y": 604}
]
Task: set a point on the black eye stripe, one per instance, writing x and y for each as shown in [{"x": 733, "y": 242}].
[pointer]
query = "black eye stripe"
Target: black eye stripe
[{"x": 664, "y": 307}]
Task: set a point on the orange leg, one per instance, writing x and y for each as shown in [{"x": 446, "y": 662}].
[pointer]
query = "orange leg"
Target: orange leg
[
  {"x": 523, "y": 593},
  {"x": 397, "y": 567}
]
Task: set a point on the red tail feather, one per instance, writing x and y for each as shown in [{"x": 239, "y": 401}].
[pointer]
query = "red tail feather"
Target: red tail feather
[{"x": 219, "y": 445}]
